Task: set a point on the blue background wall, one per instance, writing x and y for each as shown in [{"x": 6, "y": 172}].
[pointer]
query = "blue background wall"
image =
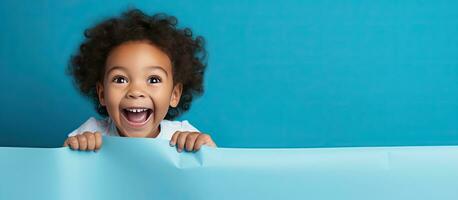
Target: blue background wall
[{"x": 289, "y": 74}]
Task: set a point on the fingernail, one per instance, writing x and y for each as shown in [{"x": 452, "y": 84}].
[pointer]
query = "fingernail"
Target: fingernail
[
  {"x": 179, "y": 150},
  {"x": 171, "y": 144}
]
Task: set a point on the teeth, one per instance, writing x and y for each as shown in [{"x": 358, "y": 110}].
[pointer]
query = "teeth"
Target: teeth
[{"x": 136, "y": 110}]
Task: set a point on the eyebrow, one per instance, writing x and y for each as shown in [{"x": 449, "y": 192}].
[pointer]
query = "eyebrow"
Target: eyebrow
[{"x": 149, "y": 67}]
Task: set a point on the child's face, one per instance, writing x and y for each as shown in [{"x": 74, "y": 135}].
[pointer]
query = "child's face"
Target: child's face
[{"x": 138, "y": 88}]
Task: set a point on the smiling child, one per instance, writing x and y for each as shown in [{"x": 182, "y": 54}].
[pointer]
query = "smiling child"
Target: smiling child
[{"x": 141, "y": 72}]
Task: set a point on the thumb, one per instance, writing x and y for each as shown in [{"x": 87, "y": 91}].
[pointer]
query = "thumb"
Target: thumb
[{"x": 66, "y": 143}]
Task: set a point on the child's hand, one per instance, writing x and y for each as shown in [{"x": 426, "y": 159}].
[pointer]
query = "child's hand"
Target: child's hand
[
  {"x": 85, "y": 142},
  {"x": 191, "y": 141}
]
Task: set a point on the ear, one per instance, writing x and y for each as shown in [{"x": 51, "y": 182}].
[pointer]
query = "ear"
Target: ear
[
  {"x": 100, "y": 94},
  {"x": 176, "y": 95}
]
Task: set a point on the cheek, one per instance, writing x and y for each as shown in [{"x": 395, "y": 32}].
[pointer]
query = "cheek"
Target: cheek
[
  {"x": 161, "y": 100},
  {"x": 112, "y": 97}
]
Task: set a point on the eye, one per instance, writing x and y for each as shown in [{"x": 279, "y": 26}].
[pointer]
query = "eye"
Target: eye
[
  {"x": 154, "y": 79},
  {"x": 119, "y": 79}
]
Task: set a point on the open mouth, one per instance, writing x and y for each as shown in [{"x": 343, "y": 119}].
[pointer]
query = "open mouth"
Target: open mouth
[{"x": 137, "y": 116}]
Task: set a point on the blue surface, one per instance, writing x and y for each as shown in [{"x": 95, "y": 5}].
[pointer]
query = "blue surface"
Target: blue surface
[
  {"x": 139, "y": 168},
  {"x": 281, "y": 73}
]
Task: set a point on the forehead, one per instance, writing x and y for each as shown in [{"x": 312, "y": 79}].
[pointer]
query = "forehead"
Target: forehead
[{"x": 137, "y": 55}]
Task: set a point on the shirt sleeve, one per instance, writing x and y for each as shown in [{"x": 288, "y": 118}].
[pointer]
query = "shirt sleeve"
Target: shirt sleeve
[
  {"x": 168, "y": 128},
  {"x": 91, "y": 125},
  {"x": 186, "y": 126}
]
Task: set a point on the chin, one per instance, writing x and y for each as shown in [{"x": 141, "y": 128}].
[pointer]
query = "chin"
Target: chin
[{"x": 138, "y": 133}]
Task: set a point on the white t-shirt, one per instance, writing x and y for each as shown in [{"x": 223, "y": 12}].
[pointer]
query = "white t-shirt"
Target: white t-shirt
[{"x": 108, "y": 128}]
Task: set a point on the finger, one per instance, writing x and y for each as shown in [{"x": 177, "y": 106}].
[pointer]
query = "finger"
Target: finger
[
  {"x": 203, "y": 139},
  {"x": 65, "y": 143},
  {"x": 98, "y": 140},
  {"x": 90, "y": 141},
  {"x": 190, "y": 140},
  {"x": 209, "y": 141},
  {"x": 173, "y": 141},
  {"x": 181, "y": 140},
  {"x": 73, "y": 142},
  {"x": 82, "y": 140}
]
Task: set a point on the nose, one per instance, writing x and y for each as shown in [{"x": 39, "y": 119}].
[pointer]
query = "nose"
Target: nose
[{"x": 135, "y": 93}]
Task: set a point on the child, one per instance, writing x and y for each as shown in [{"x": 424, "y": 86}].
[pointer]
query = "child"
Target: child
[{"x": 140, "y": 72}]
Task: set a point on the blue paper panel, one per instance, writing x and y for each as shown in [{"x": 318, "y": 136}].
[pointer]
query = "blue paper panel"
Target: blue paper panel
[{"x": 139, "y": 168}]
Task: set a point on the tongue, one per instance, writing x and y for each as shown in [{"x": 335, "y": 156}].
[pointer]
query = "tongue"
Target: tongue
[{"x": 138, "y": 117}]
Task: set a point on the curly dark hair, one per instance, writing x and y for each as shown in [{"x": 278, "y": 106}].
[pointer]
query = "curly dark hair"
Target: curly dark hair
[{"x": 187, "y": 53}]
